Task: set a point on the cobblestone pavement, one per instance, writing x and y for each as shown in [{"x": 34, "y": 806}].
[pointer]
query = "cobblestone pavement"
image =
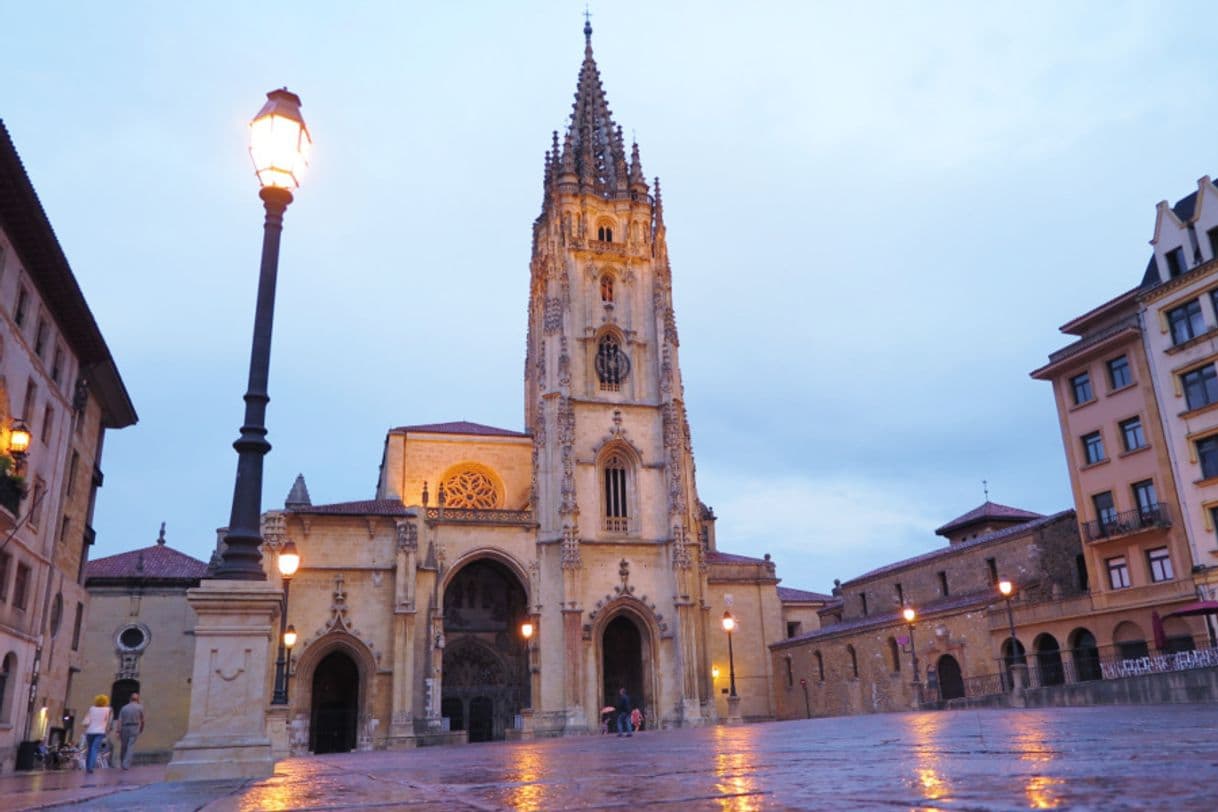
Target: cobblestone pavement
[{"x": 1109, "y": 758}]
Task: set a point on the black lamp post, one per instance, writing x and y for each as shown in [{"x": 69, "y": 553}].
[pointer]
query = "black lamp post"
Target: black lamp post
[
  {"x": 526, "y": 631},
  {"x": 910, "y": 616},
  {"x": 1007, "y": 589},
  {"x": 279, "y": 146},
  {"x": 288, "y": 562},
  {"x": 729, "y": 625}
]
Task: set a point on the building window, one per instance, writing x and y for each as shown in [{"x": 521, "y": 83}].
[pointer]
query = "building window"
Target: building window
[
  {"x": 21, "y": 587},
  {"x": 790, "y": 673},
  {"x": 1207, "y": 456},
  {"x": 820, "y": 666},
  {"x": 1081, "y": 386},
  {"x": 992, "y": 565},
  {"x": 31, "y": 396},
  {"x": 8, "y": 673},
  {"x": 70, "y": 485},
  {"x": 607, "y": 288},
  {"x": 943, "y": 583},
  {"x": 1213, "y": 234},
  {"x": 57, "y": 364},
  {"x": 900, "y": 595},
  {"x": 863, "y": 603},
  {"x": 1131, "y": 434},
  {"x": 63, "y": 529},
  {"x": 48, "y": 423},
  {"x": 23, "y": 306},
  {"x": 1160, "y": 564},
  {"x": 894, "y": 654},
  {"x": 34, "y": 517},
  {"x": 1200, "y": 386},
  {"x": 617, "y": 512},
  {"x": 1118, "y": 572},
  {"x": 612, "y": 365},
  {"x": 1093, "y": 447},
  {"x": 1105, "y": 508},
  {"x": 56, "y": 614},
  {"x": 1146, "y": 500},
  {"x": 1175, "y": 262},
  {"x": 1080, "y": 565},
  {"x": 794, "y": 628},
  {"x": 854, "y": 661},
  {"x": 604, "y": 233},
  {"x": 1119, "y": 374},
  {"x": 6, "y": 564},
  {"x": 40, "y": 337},
  {"x": 80, "y": 616},
  {"x": 1185, "y": 322}
]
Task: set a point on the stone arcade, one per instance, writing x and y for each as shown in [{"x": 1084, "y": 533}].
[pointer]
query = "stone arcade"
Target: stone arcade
[{"x": 587, "y": 524}]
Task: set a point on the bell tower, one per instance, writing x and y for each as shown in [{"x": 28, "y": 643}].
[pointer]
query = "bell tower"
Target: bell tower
[{"x": 613, "y": 465}]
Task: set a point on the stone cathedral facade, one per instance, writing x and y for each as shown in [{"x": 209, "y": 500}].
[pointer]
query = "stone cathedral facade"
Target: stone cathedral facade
[{"x": 587, "y": 524}]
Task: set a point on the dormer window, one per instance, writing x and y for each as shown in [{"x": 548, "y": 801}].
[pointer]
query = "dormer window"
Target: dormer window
[
  {"x": 605, "y": 233},
  {"x": 1175, "y": 262},
  {"x": 1213, "y": 235},
  {"x": 607, "y": 289}
]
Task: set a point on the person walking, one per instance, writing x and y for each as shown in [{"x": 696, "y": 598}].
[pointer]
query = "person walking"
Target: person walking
[
  {"x": 130, "y": 725},
  {"x": 624, "y": 727},
  {"x": 97, "y": 722}
]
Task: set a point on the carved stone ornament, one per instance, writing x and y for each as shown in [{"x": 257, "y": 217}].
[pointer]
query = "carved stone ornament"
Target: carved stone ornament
[
  {"x": 274, "y": 530},
  {"x": 680, "y": 548},
  {"x": 553, "y": 315},
  {"x": 408, "y": 536},
  {"x": 339, "y": 623},
  {"x": 625, "y": 592},
  {"x": 571, "y": 558}
]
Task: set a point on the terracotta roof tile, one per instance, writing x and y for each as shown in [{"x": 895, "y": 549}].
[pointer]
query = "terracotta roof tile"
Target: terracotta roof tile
[
  {"x": 955, "y": 603},
  {"x": 786, "y": 593},
  {"x": 985, "y": 512},
  {"x": 158, "y": 561},
  {"x": 460, "y": 427},
  {"x": 370, "y": 507}
]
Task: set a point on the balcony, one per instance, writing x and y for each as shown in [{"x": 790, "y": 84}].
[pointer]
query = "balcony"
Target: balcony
[
  {"x": 516, "y": 518},
  {"x": 1153, "y": 517}
]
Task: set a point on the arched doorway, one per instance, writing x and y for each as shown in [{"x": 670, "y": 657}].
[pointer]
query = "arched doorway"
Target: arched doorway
[
  {"x": 1130, "y": 640},
  {"x": 1048, "y": 660},
  {"x": 622, "y": 663},
  {"x": 335, "y": 709},
  {"x": 1012, "y": 654},
  {"x": 485, "y": 681},
  {"x": 951, "y": 681},
  {"x": 1086, "y": 655}
]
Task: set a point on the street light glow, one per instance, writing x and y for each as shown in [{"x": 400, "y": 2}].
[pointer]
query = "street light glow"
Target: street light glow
[
  {"x": 909, "y": 614},
  {"x": 526, "y": 630},
  {"x": 288, "y": 559},
  {"x": 1006, "y": 588},
  {"x": 289, "y": 637},
  {"x": 19, "y": 437},
  {"x": 729, "y": 622},
  {"x": 280, "y": 141}
]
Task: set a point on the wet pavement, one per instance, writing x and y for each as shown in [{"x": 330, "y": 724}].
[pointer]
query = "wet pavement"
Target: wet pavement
[{"x": 1106, "y": 758}]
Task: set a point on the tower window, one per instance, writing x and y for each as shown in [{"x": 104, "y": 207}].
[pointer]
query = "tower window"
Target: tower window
[
  {"x": 604, "y": 233},
  {"x": 612, "y": 365},
  {"x": 617, "y": 513},
  {"x": 607, "y": 288}
]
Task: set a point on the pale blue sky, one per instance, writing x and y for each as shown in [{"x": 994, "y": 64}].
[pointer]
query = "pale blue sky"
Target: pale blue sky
[{"x": 878, "y": 217}]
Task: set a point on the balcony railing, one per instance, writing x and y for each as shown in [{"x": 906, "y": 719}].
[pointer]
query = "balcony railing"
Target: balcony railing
[
  {"x": 480, "y": 516},
  {"x": 1127, "y": 522}
]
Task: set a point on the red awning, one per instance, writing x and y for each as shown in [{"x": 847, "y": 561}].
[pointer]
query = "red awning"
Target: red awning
[{"x": 1193, "y": 609}]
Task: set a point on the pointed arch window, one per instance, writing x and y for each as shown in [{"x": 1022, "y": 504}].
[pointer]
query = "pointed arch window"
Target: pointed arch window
[
  {"x": 607, "y": 288},
  {"x": 617, "y": 504},
  {"x": 604, "y": 233},
  {"x": 612, "y": 365}
]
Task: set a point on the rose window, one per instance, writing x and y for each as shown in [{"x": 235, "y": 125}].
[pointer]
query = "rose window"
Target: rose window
[{"x": 470, "y": 488}]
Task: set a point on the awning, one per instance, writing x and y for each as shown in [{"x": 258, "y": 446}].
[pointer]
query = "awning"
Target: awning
[{"x": 1194, "y": 609}]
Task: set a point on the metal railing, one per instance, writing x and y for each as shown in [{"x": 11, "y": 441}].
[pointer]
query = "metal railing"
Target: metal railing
[
  {"x": 479, "y": 516},
  {"x": 1128, "y": 521}
]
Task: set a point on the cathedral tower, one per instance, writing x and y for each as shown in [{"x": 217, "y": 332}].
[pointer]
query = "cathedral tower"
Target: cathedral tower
[{"x": 613, "y": 470}]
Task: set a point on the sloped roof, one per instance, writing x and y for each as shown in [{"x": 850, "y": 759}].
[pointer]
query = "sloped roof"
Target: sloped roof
[
  {"x": 953, "y": 549},
  {"x": 460, "y": 427},
  {"x": 716, "y": 557},
  {"x": 157, "y": 562},
  {"x": 953, "y": 603},
  {"x": 988, "y": 511},
  {"x": 786, "y": 593},
  {"x": 369, "y": 507}
]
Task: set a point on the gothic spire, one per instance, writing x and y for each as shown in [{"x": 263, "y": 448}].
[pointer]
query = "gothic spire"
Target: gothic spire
[{"x": 594, "y": 143}]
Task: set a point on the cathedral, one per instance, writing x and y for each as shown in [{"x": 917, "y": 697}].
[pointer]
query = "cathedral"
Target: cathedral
[{"x": 506, "y": 583}]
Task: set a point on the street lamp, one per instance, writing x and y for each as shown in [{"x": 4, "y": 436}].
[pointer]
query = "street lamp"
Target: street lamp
[
  {"x": 279, "y": 147},
  {"x": 526, "y": 631},
  {"x": 729, "y": 625},
  {"x": 19, "y": 438},
  {"x": 288, "y": 562},
  {"x": 910, "y": 616},
  {"x": 1007, "y": 589}
]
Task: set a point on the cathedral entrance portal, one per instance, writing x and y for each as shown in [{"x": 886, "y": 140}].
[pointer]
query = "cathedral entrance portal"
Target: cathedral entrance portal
[
  {"x": 485, "y": 679},
  {"x": 622, "y": 662},
  {"x": 335, "y": 704}
]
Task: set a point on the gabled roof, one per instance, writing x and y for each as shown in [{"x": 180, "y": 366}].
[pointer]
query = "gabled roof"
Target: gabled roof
[
  {"x": 716, "y": 557},
  {"x": 459, "y": 427},
  {"x": 789, "y": 595},
  {"x": 987, "y": 511},
  {"x": 369, "y": 507},
  {"x": 159, "y": 562}
]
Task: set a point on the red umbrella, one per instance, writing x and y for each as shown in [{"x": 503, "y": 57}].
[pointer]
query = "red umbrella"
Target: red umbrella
[{"x": 1156, "y": 626}]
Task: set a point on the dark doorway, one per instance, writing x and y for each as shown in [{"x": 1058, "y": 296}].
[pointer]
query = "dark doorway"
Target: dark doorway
[
  {"x": 481, "y": 719},
  {"x": 454, "y": 709},
  {"x": 951, "y": 681},
  {"x": 1049, "y": 660},
  {"x": 1086, "y": 656},
  {"x": 622, "y": 662},
  {"x": 335, "y": 704},
  {"x": 121, "y": 691}
]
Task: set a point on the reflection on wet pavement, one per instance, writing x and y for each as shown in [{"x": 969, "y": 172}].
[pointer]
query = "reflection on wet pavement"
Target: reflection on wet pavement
[{"x": 1120, "y": 757}]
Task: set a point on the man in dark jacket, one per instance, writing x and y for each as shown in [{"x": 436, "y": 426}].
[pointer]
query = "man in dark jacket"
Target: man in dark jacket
[{"x": 624, "y": 728}]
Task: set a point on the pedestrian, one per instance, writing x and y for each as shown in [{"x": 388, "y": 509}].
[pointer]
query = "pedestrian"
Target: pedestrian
[
  {"x": 97, "y": 722},
  {"x": 130, "y": 725},
  {"x": 636, "y": 719},
  {"x": 623, "y": 713}
]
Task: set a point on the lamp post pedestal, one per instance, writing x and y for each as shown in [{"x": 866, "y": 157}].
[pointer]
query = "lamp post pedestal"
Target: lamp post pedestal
[
  {"x": 227, "y": 733},
  {"x": 733, "y": 711}
]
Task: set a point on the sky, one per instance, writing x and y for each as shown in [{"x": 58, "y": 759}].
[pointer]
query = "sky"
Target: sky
[{"x": 878, "y": 216}]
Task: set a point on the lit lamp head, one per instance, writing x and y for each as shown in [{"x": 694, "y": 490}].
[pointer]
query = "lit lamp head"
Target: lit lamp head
[
  {"x": 280, "y": 142},
  {"x": 19, "y": 438},
  {"x": 1006, "y": 588},
  {"x": 714, "y": 672},
  {"x": 288, "y": 559},
  {"x": 526, "y": 630},
  {"x": 729, "y": 622},
  {"x": 289, "y": 637},
  {"x": 909, "y": 614}
]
